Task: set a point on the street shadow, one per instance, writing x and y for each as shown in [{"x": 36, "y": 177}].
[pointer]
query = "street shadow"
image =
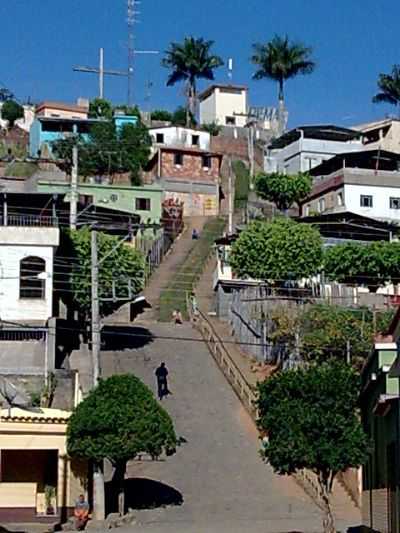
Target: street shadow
[
  {"x": 119, "y": 338},
  {"x": 142, "y": 493}
]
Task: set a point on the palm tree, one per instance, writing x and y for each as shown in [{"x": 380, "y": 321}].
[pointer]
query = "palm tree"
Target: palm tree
[
  {"x": 188, "y": 62},
  {"x": 389, "y": 86},
  {"x": 280, "y": 60}
]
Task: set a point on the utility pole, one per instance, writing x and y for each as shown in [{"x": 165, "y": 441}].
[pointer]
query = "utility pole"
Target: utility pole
[
  {"x": 95, "y": 308},
  {"x": 101, "y": 72},
  {"x": 73, "y": 203},
  {"x": 230, "y": 198},
  {"x": 98, "y": 468}
]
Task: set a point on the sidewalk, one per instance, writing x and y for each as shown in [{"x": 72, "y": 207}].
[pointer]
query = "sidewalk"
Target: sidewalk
[{"x": 344, "y": 508}]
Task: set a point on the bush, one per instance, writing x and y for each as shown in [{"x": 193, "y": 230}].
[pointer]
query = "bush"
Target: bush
[{"x": 277, "y": 251}]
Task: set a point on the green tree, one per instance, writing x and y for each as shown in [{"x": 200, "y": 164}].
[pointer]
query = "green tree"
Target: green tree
[
  {"x": 181, "y": 116},
  {"x": 389, "y": 87},
  {"x": 330, "y": 330},
  {"x": 119, "y": 420},
  {"x": 100, "y": 108},
  {"x": 135, "y": 151},
  {"x": 107, "y": 151},
  {"x": 11, "y": 111},
  {"x": 320, "y": 332},
  {"x": 283, "y": 190},
  {"x": 212, "y": 128},
  {"x": 121, "y": 264},
  {"x": 280, "y": 59},
  {"x": 311, "y": 419},
  {"x": 162, "y": 115},
  {"x": 277, "y": 251},
  {"x": 369, "y": 264},
  {"x": 188, "y": 62}
]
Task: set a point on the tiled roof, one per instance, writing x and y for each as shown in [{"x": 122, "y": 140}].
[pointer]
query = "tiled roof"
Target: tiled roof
[{"x": 42, "y": 415}]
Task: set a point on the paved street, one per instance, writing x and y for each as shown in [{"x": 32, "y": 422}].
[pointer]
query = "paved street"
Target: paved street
[{"x": 218, "y": 473}]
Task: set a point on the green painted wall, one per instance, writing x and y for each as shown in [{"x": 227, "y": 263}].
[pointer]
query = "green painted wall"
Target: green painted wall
[{"x": 120, "y": 197}]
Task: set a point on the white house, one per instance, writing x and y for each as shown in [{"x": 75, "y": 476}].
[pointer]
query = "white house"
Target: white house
[
  {"x": 225, "y": 105},
  {"x": 303, "y": 148},
  {"x": 382, "y": 134},
  {"x": 366, "y": 183},
  {"x": 26, "y": 273},
  {"x": 24, "y": 123},
  {"x": 178, "y": 136}
]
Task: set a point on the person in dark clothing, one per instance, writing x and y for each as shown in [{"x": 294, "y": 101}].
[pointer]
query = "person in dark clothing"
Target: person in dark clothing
[{"x": 162, "y": 383}]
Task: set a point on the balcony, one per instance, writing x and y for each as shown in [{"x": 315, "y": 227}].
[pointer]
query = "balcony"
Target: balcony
[{"x": 37, "y": 221}]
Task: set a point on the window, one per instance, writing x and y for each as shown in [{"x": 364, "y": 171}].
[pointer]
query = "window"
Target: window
[
  {"x": 195, "y": 140},
  {"x": 160, "y": 138},
  {"x": 339, "y": 198},
  {"x": 394, "y": 203},
  {"x": 31, "y": 284},
  {"x": 143, "y": 204},
  {"x": 114, "y": 197},
  {"x": 307, "y": 211},
  {"x": 178, "y": 159},
  {"x": 321, "y": 205},
  {"x": 365, "y": 200},
  {"x": 206, "y": 161},
  {"x": 230, "y": 121}
]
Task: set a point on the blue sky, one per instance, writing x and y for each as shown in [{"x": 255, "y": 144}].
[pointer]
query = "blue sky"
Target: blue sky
[{"x": 353, "y": 40}]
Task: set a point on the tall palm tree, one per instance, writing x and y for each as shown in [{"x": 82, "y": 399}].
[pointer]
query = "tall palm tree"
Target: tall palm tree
[
  {"x": 188, "y": 62},
  {"x": 389, "y": 86},
  {"x": 280, "y": 60}
]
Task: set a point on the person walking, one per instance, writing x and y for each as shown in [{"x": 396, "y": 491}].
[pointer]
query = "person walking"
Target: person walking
[{"x": 162, "y": 381}]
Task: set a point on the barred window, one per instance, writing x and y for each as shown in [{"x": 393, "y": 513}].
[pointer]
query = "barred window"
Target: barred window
[{"x": 30, "y": 284}]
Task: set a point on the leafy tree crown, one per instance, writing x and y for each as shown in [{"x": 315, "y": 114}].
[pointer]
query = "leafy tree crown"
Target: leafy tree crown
[
  {"x": 123, "y": 263},
  {"x": 276, "y": 251},
  {"x": 389, "y": 87},
  {"x": 284, "y": 190},
  {"x": 11, "y": 111},
  {"x": 310, "y": 416},
  {"x": 118, "y": 420}
]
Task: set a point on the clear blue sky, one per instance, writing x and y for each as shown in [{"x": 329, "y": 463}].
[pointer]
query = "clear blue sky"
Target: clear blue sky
[{"x": 353, "y": 41}]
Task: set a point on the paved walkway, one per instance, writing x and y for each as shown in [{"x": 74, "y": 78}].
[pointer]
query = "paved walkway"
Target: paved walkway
[
  {"x": 224, "y": 484},
  {"x": 217, "y": 476}
]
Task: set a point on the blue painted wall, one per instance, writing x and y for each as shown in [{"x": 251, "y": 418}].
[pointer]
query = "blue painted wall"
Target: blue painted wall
[{"x": 38, "y": 138}]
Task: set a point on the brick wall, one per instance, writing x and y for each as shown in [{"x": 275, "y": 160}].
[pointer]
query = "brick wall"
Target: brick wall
[{"x": 192, "y": 167}]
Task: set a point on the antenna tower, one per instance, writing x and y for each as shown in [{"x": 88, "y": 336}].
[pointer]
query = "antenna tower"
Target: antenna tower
[{"x": 131, "y": 19}]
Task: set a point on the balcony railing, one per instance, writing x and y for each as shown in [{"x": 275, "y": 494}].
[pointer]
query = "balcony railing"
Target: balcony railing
[{"x": 29, "y": 220}]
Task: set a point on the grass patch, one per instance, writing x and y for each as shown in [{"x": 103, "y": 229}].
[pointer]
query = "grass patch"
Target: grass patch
[
  {"x": 20, "y": 169},
  {"x": 184, "y": 280}
]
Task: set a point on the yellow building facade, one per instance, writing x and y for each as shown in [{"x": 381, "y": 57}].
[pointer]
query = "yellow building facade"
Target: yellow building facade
[{"x": 38, "y": 481}]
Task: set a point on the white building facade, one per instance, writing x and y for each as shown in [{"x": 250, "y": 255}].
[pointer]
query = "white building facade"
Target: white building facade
[
  {"x": 177, "y": 136},
  {"x": 306, "y": 147},
  {"x": 26, "y": 273},
  {"x": 225, "y": 105}
]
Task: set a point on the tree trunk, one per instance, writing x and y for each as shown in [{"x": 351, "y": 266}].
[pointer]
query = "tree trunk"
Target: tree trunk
[
  {"x": 326, "y": 482},
  {"x": 281, "y": 97},
  {"x": 189, "y": 104},
  {"x": 119, "y": 478},
  {"x": 98, "y": 491}
]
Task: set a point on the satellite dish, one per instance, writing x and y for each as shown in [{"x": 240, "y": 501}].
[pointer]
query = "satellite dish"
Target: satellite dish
[{"x": 13, "y": 396}]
